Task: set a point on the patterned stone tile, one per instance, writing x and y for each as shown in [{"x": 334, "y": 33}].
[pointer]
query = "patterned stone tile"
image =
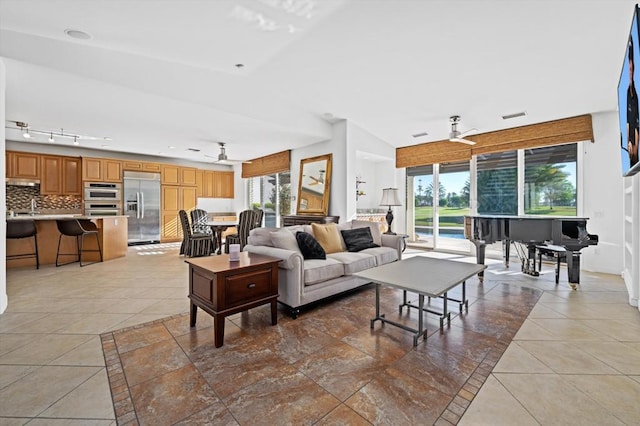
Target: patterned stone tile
[
  {"x": 150, "y": 361},
  {"x": 172, "y": 397}
]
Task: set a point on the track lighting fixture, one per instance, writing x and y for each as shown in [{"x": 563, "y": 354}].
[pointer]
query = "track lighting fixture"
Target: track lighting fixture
[{"x": 28, "y": 133}]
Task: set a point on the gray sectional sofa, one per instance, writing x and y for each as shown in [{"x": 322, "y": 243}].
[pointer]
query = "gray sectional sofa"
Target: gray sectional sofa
[{"x": 301, "y": 282}]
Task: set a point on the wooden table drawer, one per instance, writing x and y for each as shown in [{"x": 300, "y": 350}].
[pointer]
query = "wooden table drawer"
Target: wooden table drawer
[{"x": 243, "y": 288}]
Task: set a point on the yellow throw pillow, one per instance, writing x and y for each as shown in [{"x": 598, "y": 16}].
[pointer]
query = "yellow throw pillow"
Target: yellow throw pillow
[{"x": 328, "y": 236}]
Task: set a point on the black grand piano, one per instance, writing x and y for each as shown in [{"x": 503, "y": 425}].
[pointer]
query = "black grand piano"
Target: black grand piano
[{"x": 534, "y": 232}]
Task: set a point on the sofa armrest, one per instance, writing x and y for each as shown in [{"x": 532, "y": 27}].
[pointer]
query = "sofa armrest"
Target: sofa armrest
[
  {"x": 289, "y": 259},
  {"x": 394, "y": 241}
]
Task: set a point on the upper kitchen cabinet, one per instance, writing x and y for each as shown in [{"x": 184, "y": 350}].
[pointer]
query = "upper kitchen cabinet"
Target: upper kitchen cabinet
[
  {"x": 60, "y": 175},
  {"x": 23, "y": 165},
  {"x": 188, "y": 176},
  {"x": 101, "y": 170},
  {"x": 176, "y": 175},
  {"x": 170, "y": 174},
  {"x": 217, "y": 184},
  {"x": 141, "y": 166}
]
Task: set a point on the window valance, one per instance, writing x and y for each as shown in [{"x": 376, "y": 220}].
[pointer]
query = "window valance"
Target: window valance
[
  {"x": 267, "y": 165},
  {"x": 557, "y": 132}
]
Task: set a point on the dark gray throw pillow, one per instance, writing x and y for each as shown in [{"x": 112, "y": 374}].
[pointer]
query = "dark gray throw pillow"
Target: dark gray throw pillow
[
  {"x": 358, "y": 239},
  {"x": 309, "y": 246}
]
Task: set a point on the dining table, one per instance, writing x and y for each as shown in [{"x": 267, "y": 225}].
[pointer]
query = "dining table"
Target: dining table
[{"x": 218, "y": 227}]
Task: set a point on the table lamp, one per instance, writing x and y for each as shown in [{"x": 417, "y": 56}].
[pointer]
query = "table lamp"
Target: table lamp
[{"x": 390, "y": 198}]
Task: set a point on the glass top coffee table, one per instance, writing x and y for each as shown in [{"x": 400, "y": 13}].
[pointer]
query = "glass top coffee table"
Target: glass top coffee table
[{"x": 426, "y": 277}]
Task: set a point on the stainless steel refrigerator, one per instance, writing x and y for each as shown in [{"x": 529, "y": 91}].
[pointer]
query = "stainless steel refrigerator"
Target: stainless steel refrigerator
[{"x": 142, "y": 205}]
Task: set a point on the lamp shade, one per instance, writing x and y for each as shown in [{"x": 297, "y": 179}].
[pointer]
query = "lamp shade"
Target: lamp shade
[{"x": 390, "y": 197}]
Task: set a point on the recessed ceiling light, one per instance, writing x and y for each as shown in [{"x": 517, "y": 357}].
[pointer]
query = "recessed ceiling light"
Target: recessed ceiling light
[
  {"x": 239, "y": 65},
  {"x": 161, "y": 153},
  {"x": 105, "y": 146},
  {"x": 172, "y": 147},
  {"x": 514, "y": 115},
  {"x": 81, "y": 35},
  {"x": 107, "y": 138}
]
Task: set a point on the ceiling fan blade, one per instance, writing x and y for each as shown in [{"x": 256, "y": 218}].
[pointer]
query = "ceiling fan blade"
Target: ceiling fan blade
[
  {"x": 462, "y": 140},
  {"x": 467, "y": 133}
]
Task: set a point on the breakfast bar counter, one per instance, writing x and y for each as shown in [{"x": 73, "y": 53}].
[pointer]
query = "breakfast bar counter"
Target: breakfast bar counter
[{"x": 112, "y": 233}]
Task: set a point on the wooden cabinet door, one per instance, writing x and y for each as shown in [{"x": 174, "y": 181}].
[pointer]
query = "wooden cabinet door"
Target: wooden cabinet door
[
  {"x": 170, "y": 174},
  {"x": 189, "y": 198},
  {"x": 25, "y": 165},
  {"x": 171, "y": 198},
  {"x": 208, "y": 184},
  {"x": 92, "y": 169},
  {"x": 171, "y": 227},
  {"x": 132, "y": 165},
  {"x": 224, "y": 185},
  {"x": 151, "y": 167},
  {"x": 199, "y": 182},
  {"x": 188, "y": 176},
  {"x": 112, "y": 170},
  {"x": 71, "y": 176},
  {"x": 51, "y": 177}
]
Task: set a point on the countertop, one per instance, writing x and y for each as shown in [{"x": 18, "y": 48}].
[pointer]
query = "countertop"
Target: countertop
[{"x": 60, "y": 216}]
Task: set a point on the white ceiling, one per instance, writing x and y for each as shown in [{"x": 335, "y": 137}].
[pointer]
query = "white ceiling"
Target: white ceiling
[{"x": 163, "y": 73}]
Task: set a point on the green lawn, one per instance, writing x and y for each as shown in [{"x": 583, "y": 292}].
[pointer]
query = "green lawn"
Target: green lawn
[{"x": 455, "y": 216}]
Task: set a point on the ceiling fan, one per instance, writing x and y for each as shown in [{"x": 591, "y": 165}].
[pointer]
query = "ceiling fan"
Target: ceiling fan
[
  {"x": 319, "y": 179},
  {"x": 222, "y": 157},
  {"x": 455, "y": 135}
]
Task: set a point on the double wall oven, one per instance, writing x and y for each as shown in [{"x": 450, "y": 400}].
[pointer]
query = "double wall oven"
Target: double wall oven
[{"x": 102, "y": 199}]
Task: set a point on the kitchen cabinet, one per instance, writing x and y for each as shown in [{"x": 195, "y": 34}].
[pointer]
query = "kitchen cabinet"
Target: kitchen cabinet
[
  {"x": 23, "y": 165},
  {"x": 101, "y": 170},
  {"x": 174, "y": 199},
  {"x": 200, "y": 183},
  {"x": 141, "y": 166},
  {"x": 60, "y": 175},
  {"x": 188, "y": 176},
  {"x": 224, "y": 185},
  {"x": 176, "y": 175},
  {"x": 170, "y": 174},
  {"x": 217, "y": 184},
  {"x": 71, "y": 176}
]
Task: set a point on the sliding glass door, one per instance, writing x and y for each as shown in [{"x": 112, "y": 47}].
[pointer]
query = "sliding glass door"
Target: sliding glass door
[
  {"x": 271, "y": 193},
  {"x": 453, "y": 204}
]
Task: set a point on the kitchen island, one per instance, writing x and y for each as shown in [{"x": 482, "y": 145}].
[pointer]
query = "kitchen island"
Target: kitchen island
[{"x": 112, "y": 233}]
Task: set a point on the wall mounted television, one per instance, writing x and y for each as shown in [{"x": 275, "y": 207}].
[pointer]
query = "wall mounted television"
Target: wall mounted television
[{"x": 628, "y": 101}]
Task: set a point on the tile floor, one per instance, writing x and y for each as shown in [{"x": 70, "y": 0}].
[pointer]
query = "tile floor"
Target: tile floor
[{"x": 527, "y": 352}]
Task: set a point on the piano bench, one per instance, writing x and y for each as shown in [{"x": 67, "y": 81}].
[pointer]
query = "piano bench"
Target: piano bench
[{"x": 558, "y": 252}]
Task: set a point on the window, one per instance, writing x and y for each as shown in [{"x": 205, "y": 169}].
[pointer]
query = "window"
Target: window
[
  {"x": 271, "y": 193},
  {"x": 497, "y": 183},
  {"x": 550, "y": 180}
]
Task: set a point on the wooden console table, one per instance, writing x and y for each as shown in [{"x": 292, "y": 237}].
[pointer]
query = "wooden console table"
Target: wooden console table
[
  {"x": 308, "y": 219},
  {"x": 222, "y": 288}
]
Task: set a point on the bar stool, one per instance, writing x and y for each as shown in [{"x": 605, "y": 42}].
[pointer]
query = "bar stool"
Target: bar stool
[
  {"x": 17, "y": 229},
  {"x": 79, "y": 230}
]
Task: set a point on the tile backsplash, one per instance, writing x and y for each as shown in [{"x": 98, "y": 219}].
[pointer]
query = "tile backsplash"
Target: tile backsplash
[{"x": 19, "y": 198}]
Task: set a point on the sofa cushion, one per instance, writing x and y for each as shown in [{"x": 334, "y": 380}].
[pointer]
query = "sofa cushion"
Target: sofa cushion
[
  {"x": 358, "y": 239},
  {"x": 383, "y": 255},
  {"x": 260, "y": 237},
  {"x": 354, "y": 262},
  {"x": 317, "y": 270},
  {"x": 309, "y": 247},
  {"x": 374, "y": 227},
  {"x": 284, "y": 239},
  {"x": 328, "y": 236}
]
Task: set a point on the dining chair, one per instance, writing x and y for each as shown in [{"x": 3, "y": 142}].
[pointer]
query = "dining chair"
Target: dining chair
[
  {"x": 247, "y": 220},
  {"x": 194, "y": 244}
]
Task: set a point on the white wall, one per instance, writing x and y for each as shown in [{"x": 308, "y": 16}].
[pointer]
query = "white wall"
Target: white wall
[
  {"x": 337, "y": 147},
  {"x": 602, "y": 195},
  {"x": 3, "y": 195},
  {"x": 381, "y": 172}
]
